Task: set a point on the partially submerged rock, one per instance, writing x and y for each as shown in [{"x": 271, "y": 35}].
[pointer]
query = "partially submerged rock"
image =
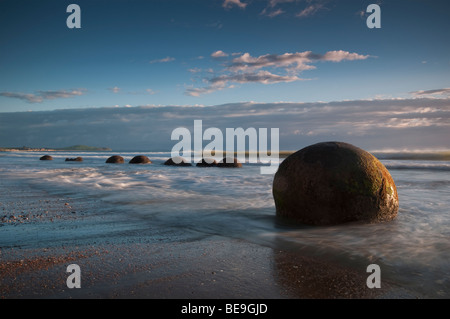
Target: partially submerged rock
[
  {"x": 229, "y": 162},
  {"x": 332, "y": 183},
  {"x": 46, "y": 158},
  {"x": 207, "y": 162},
  {"x": 177, "y": 161},
  {"x": 76, "y": 159},
  {"x": 115, "y": 159},
  {"x": 140, "y": 159}
]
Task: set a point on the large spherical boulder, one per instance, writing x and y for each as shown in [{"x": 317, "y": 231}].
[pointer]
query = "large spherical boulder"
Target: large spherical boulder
[
  {"x": 115, "y": 159},
  {"x": 76, "y": 159},
  {"x": 229, "y": 162},
  {"x": 332, "y": 183},
  {"x": 46, "y": 158},
  {"x": 140, "y": 159},
  {"x": 207, "y": 162},
  {"x": 177, "y": 161}
]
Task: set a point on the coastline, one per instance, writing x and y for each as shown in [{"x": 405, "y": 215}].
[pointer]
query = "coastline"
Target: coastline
[
  {"x": 121, "y": 258},
  {"x": 438, "y": 155},
  {"x": 75, "y": 148},
  {"x": 27, "y": 150}
]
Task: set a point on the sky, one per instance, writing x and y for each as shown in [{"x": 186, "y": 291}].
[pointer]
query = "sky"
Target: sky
[{"x": 312, "y": 68}]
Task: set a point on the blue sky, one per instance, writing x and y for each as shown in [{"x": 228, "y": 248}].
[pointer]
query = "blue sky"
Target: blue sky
[
  {"x": 215, "y": 52},
  {"x": 153, "y": 52}
]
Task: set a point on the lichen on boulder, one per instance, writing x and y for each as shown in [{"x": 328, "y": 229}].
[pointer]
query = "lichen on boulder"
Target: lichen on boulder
[{"x": 332, "y": 183}]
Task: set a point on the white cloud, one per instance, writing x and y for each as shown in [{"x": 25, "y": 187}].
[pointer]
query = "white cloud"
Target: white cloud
[
  {"x": 231, "y": 3},
  {"x": 142, "y": 92},
  {"x": 310, "y": 10},
  {"x": 274, "y": 7},
  {"x": 244, "y": 68},
  {"x": 274, "y": 13},
  {"x": 371, "y": 124},
  {"x": 299, "y": 61},
  {"x": 195, "y": 70},
  {"x": 273, "y": 3},
  {"x": 218, "y": 86},
  {"x": 40, "y": 96},
  {"x": 443, "y": 92},
  {"x": 199, "y": 70},
  {"x": 28, "y": 97},
  {"x": 114, "y": 89},
  {"x": 246, "y": 61},
  {"x": 264, "y": 77},
  {"x": 338, "y": 56},
  {"x": 50, "y": 95},
  {"x": 164, "y": 60},
  {"x": 222, "y": 82},
  {"x": 219, "y": 54}
]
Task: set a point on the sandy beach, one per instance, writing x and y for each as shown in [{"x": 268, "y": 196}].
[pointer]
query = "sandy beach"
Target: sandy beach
[{"x": 127, "y": 259}]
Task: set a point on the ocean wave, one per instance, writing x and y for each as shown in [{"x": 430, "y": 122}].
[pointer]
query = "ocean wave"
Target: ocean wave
[
  {"x": 415, "y": 156},
  {"x": 418, "y": 166}
]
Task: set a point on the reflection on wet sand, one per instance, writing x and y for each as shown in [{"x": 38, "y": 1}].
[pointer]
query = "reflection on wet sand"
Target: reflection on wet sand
[{"x": 306, "y": 277}]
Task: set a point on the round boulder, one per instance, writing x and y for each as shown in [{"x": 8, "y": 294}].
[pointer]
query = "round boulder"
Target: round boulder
[
  {"x": 76, "y": 159},
  {"x": 229, "y": 162},
  {"x": 207, "y": 162},
  {"x": 115, "y": 159},
  {"x": 332, "y": 183},
  {"x": 140, "y": 159},
  {"x": 46, "y": 158},
  {"x": 177, "y": 161}
]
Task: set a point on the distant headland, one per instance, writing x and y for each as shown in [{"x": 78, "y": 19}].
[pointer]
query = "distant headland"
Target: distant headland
[{"x": 45, "y": 149}]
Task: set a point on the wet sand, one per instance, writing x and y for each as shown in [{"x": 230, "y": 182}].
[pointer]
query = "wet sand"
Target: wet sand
[{"x": 121, "y": 257}]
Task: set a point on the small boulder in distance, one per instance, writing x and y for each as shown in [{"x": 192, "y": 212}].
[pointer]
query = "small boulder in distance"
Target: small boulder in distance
[
  {"x": 177, "y": 161},
  {"x": 229, "y": 162},
  {"x": 46, "y": 158},
  {"x": 115, "y": 159},
  {"x": 140, "y": 159},
  {"x": 207, "y": 163}
]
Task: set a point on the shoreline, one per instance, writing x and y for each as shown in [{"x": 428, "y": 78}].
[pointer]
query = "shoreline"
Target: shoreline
[
  {"x": 48, "y": 150},
  {"x": 121, "y": 257},
  {"x": 30, "y": 150},
  {"x": 438, "y": 156}
]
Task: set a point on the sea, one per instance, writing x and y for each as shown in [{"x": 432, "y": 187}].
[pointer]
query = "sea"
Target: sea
[{"x": 413, "y": 251}]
